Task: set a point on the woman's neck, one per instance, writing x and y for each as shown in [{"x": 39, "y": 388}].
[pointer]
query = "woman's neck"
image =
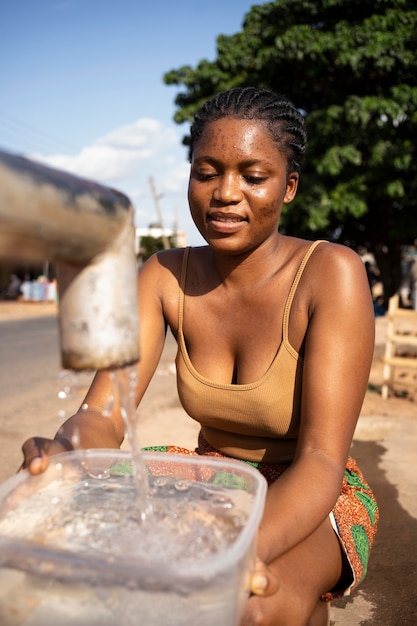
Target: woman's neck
[{"x": 257, "y": 265}]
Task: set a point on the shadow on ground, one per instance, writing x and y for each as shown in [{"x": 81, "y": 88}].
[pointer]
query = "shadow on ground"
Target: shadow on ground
[{"x": 391, "y": 583}]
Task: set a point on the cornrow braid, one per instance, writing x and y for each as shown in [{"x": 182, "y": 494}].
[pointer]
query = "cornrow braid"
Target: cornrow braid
[{"x": 284, "y": 122}]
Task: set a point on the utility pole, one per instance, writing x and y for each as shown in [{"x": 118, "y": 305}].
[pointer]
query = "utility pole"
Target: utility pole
[{"x": 165, "y": 240}]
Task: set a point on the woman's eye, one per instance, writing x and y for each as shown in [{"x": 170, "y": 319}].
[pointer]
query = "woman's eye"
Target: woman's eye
[
  {"x": 202, "y": 176},
  {"x": 255, "y": 180}
]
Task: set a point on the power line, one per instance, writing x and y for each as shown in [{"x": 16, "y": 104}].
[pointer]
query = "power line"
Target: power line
[{"x": 24, "y": 131}]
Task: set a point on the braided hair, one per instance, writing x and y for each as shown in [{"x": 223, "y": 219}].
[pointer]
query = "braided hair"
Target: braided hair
[{"x": 284, "y": 122}]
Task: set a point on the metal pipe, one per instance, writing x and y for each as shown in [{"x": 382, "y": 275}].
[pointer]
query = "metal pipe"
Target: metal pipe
[{"x": 87, "y": 229}]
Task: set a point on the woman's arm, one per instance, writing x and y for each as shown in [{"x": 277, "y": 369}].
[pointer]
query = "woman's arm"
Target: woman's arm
[{"x": 338, "y": 355}]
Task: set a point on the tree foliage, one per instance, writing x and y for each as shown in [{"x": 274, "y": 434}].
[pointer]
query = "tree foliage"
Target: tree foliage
[
  {"x": 351, "y": 66},
  {"x": 149, "y": 245}
]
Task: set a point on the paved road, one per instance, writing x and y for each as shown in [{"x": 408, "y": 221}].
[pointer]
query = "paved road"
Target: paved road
[{"x": 31, "y": 379}]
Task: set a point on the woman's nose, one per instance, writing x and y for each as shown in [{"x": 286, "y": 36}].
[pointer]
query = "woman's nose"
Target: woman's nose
[{"x": 228, "y": 188}]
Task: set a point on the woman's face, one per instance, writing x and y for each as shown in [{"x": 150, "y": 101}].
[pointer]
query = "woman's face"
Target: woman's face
[{"x": 238, "y": 184}]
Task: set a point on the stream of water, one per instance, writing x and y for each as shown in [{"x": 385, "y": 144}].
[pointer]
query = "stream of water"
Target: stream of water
[{"x": 124, "y": 382}]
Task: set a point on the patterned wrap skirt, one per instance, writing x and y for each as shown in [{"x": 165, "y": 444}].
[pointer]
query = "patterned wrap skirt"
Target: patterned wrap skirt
[{"x": 354, "y": 517}]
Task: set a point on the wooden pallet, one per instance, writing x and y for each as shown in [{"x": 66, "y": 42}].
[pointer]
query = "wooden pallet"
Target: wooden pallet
[{"x": 400, "y": 358}]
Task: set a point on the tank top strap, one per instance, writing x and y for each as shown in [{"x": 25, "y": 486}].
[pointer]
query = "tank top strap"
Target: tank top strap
[
  {"x": 297, "y": 278},
  {"x": 182, "y": 288}
]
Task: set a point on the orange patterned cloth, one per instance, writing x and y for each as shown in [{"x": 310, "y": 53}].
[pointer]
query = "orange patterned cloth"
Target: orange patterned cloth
[{"x": 354, "y": 517}]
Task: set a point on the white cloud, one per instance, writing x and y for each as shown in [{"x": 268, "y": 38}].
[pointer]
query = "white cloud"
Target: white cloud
[
  {"x": 126, "y": 158},
  {"x": 139, "y": 134},
  {"x": 120, "y": 153}
]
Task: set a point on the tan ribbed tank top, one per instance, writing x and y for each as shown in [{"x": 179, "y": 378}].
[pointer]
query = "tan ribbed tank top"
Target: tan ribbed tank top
[{"x": 258, "y": 421}]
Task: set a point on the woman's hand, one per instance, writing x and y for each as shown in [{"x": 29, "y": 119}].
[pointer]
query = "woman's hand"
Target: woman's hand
[
  {"x": 261, "y": 606},
  {"x": 263, "y": 581},
  {"x": 37, "y": 450}
]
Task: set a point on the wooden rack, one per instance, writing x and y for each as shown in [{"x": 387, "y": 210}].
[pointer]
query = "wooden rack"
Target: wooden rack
[{"x": 400, "y": 358}]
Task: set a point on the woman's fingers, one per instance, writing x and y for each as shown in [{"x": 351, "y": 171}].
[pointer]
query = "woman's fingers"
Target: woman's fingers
[
  {"x": 263, "y": 581},
  {"x": 36, "y": 452}
]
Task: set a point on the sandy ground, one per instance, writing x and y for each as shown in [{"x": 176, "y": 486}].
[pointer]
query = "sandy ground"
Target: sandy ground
[{"x": 384, "y": 445}]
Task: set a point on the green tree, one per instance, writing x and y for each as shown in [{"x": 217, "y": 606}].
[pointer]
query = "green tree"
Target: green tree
[
  {"x": 351, "y": 65},
  {"x": 149, "y": 245}
]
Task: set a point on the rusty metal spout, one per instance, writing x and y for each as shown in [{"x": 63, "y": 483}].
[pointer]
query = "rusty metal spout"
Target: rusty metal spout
[{"x": 87, "y": 229}]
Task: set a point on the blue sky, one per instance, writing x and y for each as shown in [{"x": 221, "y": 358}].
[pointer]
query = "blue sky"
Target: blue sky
[{"x": 81, "y": 89}]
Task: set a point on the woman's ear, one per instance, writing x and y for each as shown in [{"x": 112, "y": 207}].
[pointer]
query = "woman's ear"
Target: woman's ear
[{"x": 292, "y": 186}]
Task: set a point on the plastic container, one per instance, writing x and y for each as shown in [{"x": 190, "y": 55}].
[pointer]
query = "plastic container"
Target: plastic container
[{"x": 73, "y": 552}]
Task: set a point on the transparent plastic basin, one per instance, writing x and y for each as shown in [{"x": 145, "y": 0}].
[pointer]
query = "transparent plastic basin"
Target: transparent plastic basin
[{"x": 74, "y": 551}]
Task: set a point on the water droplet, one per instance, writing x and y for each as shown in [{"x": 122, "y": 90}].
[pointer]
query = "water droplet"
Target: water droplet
[
  {"x": 75, "y": 439},
  {"x": 98, "y": 473},
  {"x": 68, "y": 379},
  {"x": 181, "y": 485},
  {"x": 108, "y": 407},
  {"x": 222, "y": 502}
]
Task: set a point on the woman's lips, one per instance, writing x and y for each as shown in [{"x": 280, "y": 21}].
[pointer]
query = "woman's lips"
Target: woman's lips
[{"x": 225, "y": 222}]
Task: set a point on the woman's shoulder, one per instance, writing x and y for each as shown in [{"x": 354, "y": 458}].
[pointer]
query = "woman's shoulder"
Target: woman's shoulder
[
  {"x": 338, "y": 256},
  {"x": 327, "y": 265},
  {"x": 336, "y": 272},
  {"x": 333, "y": 255}
]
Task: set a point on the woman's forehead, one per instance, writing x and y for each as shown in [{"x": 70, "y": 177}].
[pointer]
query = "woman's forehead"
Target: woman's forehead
[{"x": 237, "y": 135}]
